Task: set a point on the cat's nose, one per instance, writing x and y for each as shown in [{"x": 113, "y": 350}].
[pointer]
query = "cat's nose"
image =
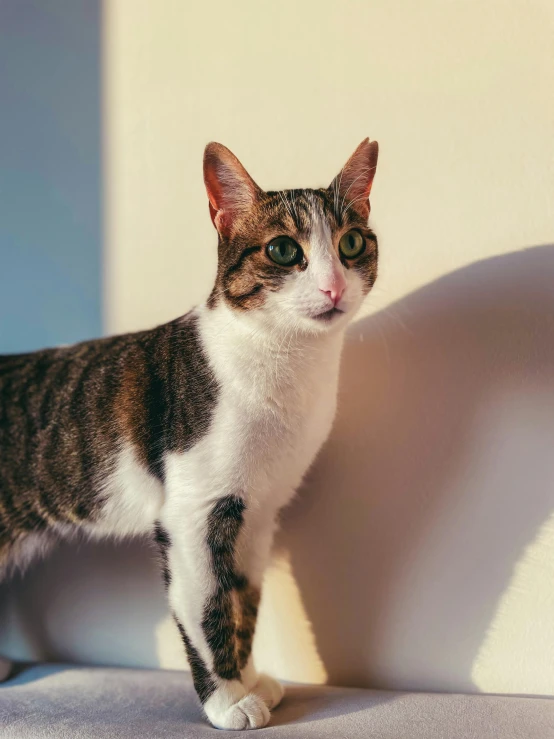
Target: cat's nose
[{"x": 335, "y": 293}]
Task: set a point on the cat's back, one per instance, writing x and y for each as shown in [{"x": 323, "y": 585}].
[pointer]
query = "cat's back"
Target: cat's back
[
  {"x": 34, "y": 385},
  {"x": 59, "y": 432},
  {"x": 27, "y": 382},
  {"x": 71, "y": 418}
]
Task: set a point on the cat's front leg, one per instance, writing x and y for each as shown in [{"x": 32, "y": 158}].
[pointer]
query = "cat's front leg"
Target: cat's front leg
[
  {"x": 212, "y": 569},
  {"x": 252, "y": 555}
]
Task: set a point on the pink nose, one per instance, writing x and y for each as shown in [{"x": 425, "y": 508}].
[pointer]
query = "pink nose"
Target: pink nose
[{"x": 335, "y": 294}]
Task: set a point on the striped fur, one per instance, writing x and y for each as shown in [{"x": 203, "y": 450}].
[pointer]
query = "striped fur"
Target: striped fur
[
  {"x": 65, "y": 412},
  {"x": 199, "y": 431}
]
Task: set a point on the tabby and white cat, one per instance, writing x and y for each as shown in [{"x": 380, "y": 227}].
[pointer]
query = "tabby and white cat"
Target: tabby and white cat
[{"x": 199, "y": 431}]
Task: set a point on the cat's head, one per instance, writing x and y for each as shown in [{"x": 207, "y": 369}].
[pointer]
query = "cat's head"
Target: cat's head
[{"x": 297, "y": 259}]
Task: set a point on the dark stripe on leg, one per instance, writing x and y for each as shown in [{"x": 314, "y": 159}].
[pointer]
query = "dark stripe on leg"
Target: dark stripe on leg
[
  {"x": 249, "y": 600},
  {"x": 220, "y": 629},
  {"x": 201, "y": 678},
  {"x": 161, "y": 537},
  {"x": 224, "y": 523},
  {"x": 219, "y": 624}
]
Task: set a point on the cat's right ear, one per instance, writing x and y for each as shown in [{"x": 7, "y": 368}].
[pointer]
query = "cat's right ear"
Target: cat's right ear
[
  {"x": 231, "y": 190},
  {"x": 351, "y": 187}
]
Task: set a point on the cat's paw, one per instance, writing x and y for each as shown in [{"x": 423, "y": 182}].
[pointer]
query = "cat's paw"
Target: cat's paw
[
  {"x": 270, "y": 690},
  {"x": 248, "y": 712}
]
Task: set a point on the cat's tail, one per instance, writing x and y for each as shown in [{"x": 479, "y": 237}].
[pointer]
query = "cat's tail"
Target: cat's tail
[{"x": 5, "y": 668}]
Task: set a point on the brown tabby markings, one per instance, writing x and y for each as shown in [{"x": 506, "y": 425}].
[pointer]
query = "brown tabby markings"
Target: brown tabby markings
[
  {"x": 248, "y": 598},
  {"x": 230, "y": 613},
  {"x": 161, "y": 537},
  {"x": 245, "y": 272},
  {"x": 49, "y": 456},
  {"x": 221, "y": 611},
  {"x": 166, "y": 395},
  {"x": 64, "y": 414},
  {"x": 203, "y": 681}
]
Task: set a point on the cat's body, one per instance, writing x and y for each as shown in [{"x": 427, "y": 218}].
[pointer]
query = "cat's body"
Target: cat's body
[
  {"x": 85, "y": 429},
  {"x": 198, "y": 432}
]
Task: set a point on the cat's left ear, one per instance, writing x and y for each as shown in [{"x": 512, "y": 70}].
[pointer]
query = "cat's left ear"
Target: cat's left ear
[
  {"x": 231, "y": 190},
  {"x": 351, "y": 187}
]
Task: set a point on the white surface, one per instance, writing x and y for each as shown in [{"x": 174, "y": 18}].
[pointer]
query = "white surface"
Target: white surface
[{"x": 421, "y": 549}]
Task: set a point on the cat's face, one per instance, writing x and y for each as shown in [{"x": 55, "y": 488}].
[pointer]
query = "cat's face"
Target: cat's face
[{"x": 296, "y": 259}]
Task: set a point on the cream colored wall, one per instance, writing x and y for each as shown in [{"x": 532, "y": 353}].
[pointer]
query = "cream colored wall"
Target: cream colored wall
[
  {"x": 422, "y": 548},
  {"x": 420, "y": 553},
  {"x": 459, "y": 95}
]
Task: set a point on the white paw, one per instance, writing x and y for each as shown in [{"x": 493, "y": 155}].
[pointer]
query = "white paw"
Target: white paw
[
  {"x": 270, "y": 690},
  {"x": 250, "y": 712}
]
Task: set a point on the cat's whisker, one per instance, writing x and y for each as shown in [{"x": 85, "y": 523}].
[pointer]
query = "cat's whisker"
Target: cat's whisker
[
  {"x": 293, "y": 203},
  {"x": 363, "y": 173},
  {"x": 285, "y": 203},
  {"x": 385, "y": 343},
  {"x": 337, "y": 212},
  {"x": 354, "y": 200},
  {"x": 388, "y": 311}
]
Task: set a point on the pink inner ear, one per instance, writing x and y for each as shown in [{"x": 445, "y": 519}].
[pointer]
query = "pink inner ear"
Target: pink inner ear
[
  {"x": 213, "y": 184},
  {"x": 231, "y": 190},
  {"x": 220, "y": 201},
  {"x": 356, "y": 178},
  {"x": 213, "y": 213},
  {"x": 222, "y": 220}
]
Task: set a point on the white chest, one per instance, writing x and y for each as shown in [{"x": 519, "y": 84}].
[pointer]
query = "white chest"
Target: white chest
[
  {"x": 268, "y": 437},
  {"x": 275, "y": 410}
]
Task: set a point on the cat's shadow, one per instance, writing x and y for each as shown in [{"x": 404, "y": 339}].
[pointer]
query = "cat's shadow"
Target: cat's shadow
[{"x": 438, "y": 474}]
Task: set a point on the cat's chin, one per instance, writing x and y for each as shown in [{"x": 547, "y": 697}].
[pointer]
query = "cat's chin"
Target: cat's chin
[
  {"x": 326, "y": 321},
  {"x": 320, "y": 330},
  {"x": 328, "y": 316}
]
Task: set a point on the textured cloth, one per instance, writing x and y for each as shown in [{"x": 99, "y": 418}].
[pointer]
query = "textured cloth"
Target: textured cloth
[{"x": 67, "y": 702}]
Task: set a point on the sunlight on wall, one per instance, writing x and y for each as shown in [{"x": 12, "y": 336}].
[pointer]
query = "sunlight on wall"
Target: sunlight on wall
[
  {"x": 463, "y": 124},
  {"x": 289, "y": 653},
  {"x": 169, "y": 645},
  {"x": 525, "y": 610},
  {"x": 275, "y": 652}
]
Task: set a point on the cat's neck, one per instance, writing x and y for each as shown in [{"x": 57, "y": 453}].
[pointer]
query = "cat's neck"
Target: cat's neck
[{"x": 239, "y": 344}]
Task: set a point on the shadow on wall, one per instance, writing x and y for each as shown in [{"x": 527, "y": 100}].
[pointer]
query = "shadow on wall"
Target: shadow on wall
[
  {"x": 438, "y": 474},
  {"x": 87, "y": 602}
]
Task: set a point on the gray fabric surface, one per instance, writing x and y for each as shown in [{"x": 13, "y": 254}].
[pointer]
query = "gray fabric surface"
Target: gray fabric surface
[{"x": 63, "y": 702}]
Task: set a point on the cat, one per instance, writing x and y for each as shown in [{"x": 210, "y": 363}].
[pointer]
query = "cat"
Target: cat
[{"x": 199, "y": 431}]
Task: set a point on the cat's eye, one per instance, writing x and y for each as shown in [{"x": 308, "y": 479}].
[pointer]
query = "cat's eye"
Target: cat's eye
[
  {"x": 284, "y": 251},
  {"x": 352, "y": 244}
]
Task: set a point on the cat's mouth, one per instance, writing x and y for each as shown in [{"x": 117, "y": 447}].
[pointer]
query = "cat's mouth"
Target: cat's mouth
[{"x": 328, "y": 315}]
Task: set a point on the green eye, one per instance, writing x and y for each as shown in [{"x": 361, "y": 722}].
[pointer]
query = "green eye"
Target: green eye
[
  {"x": 352, "y": 244},
  {"x": 284, "y": 251}
]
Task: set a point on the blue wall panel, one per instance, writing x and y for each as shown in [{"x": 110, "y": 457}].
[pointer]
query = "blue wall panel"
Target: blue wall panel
[{"x": 50, "y": 172}]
